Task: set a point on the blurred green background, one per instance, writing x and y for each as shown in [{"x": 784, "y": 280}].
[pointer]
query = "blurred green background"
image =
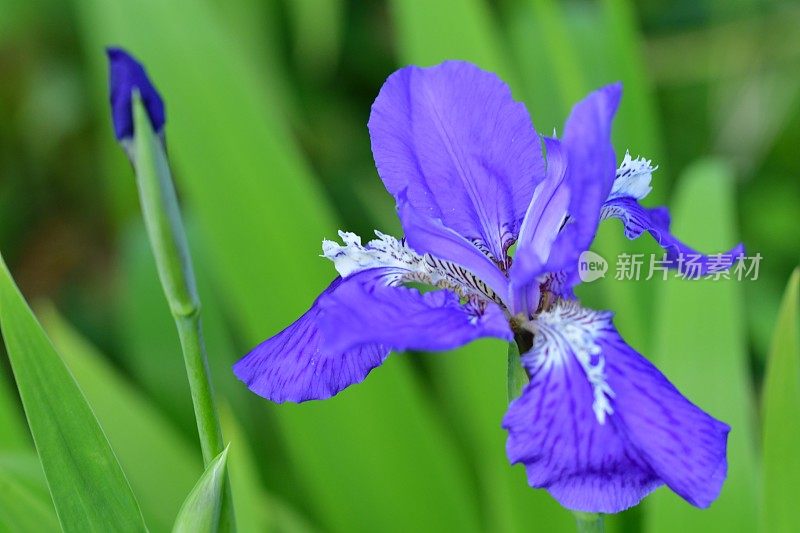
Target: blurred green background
[{"x": 267, "y": 104}]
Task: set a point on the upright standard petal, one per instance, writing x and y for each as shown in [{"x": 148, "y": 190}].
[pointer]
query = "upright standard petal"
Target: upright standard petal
[
  {"x": 298, "y": 364},
  {"x": 600, "y": 427},
  {"x": 591, "y": 168},
  {"x": 465, "y": 151},
  {"x": 365, "y": 310},
  {"x": 125, "y": 75},
  {"x": 544, "y": 219}
]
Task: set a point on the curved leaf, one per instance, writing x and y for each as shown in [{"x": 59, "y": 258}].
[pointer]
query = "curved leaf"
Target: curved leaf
[
  {"x": 88, "y": 486},
  {"x": 781, "y": 414},
  {"x": 200, "y": 511},
  {"x": 160, "y": 463}
]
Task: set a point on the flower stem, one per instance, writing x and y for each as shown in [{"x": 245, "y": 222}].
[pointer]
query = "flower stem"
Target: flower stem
[
  {"x": 517, "y": 378},
  {"x": 167, "y": 236},
  {"x": 589, "y": 522}
]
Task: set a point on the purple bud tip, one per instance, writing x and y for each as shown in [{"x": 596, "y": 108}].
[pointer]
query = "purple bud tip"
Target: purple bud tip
[{"x": 124, "y": 75}]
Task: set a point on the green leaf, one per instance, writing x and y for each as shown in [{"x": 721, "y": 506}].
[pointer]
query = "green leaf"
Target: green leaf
[
  {"x": 781, "y": 412},
  {"x": 700, "y": 346},
  {"x": 252, "y": 514},
  {"x": 134, "y": 426},
  {"x": 200, "y": 511},
  {"x": 383, "y": 437},
  {"x": 88, "y": 485},
  {"x": 25, "y": 503}
]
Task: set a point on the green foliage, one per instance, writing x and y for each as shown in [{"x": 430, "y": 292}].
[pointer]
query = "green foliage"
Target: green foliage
[
  {"x": 201, "y": 509},
  {"x": 781, "y": 410},
  {"x": 89, "y": 488},
  {"x": 133, "y": 425}
]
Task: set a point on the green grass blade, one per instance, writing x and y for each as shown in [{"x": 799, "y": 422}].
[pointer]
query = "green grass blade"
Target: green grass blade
[
  {"x": 252, "y": 514},
  {"x": 781, "y": 412},
  {"x": 200, "y": 512},
  {"x": 25, "y": 503},
  {"x": 161, "y": 465},
  {"x": 88, "y": 485},
  {"x": 700, "y": 346}
]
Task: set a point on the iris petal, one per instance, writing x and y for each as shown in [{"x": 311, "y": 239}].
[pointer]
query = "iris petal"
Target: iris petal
[
  {"x": 365, "y": 310},
  {"x": 600, "y": 427},
  {"x": 462, "y": 148},
  {"x": 580, "y": 174},
  {"x": 298, "y": 364},
  {"x": 430, "y": 235},
  {"x": 540, "y": 228},
  {"x": 591, "y": 168},
  {"x": 638, "y": 219},
  {"x": 126, "y": 75}
]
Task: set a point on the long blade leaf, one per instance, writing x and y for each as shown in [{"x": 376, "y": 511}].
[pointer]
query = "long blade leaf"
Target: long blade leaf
[
  {"x": 781, "y": 406},
  {"x": 200, "y": 511},
  {"x": 88, "y": 486},
  {"x": 162, "y": 467}
]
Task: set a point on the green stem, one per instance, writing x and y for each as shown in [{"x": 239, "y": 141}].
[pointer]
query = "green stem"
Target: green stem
[
  {"x": 588, "y": 522},
  {"x": 517, "y": 378},
  {"x": 168, "y": 241}
]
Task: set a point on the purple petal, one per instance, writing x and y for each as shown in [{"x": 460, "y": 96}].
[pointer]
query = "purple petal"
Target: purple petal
[
  {"x": 298, "y": 364},
  {"x": 125, "y": 75},
  {"x": 591, "y": 168},
  {"x": 541, "y": 225},
  {"x": 429, "y": 235},
  {"x": 600, "y": 427},
  {"x": 691, "y": 263},
  {"x": 453, "y": 137},
  {"x": 365, "y": 310},
  {"x": 685, "y": 446}
]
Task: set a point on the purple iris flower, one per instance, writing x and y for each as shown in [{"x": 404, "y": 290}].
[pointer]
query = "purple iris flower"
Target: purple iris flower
[
  {"x": 598, "y": 425},
  {"x": 126, "y": 75}
]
